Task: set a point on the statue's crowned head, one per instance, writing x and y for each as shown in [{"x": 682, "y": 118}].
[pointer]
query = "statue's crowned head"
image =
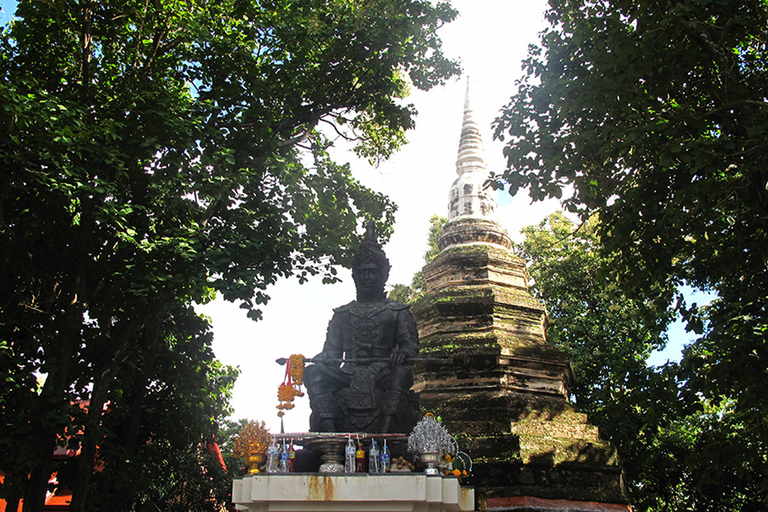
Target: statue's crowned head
[{"x": 370, "y": 267}]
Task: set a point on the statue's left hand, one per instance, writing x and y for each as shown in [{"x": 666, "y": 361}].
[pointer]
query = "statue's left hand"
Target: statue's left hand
[{"x": 397, "y": 357}]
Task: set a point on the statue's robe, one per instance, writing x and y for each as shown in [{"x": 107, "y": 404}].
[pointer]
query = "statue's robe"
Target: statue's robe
[{"x": 359, "y": 393}]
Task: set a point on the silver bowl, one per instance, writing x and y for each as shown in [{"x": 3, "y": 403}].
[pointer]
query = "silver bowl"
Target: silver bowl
[{"x": 430, "y": 459}]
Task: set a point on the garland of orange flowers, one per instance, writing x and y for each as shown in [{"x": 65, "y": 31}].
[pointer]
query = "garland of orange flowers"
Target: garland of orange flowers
[
  {"x": 291, "y": 386},
  {"x": 296, "y": 364}
]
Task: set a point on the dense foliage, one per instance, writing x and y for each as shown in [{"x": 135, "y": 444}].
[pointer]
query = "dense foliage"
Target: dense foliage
[
  {"x": 654, "y": 114},
  {"x": 609, "y": 335},
  {"x": 154, "y": 153},
  {"x": 679, "y": 449}
]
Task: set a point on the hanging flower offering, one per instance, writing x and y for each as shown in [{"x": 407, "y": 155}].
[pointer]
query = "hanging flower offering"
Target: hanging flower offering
[
  {"x": 296, "y": 366},
  {"x": 292, "y": 382}
]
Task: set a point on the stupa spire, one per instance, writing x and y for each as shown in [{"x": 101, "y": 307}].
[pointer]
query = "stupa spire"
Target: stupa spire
[
  {"x": 471, "y": 157},
  {"x": 469, "y": 197},
  {"x": 472, "y": 207}
]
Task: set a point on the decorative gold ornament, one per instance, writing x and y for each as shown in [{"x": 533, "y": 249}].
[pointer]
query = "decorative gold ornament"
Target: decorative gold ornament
[
  {"x": 251, "y": 443},
  {"x": 255, "y": 462}
]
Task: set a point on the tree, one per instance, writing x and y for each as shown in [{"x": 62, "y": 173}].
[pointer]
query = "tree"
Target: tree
[
  {"x": 408, "y": 294},
  {"x": 678, "y": 450},
  {"x": 654, "y": 115},
  {"x": 609, "y": 335},
  {"x": 143, "y": 457},
  {"x": 156, "y": 152}
]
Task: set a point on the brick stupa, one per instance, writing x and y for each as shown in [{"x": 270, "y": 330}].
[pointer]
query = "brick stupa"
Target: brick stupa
[{"x": 505, "y": 394}]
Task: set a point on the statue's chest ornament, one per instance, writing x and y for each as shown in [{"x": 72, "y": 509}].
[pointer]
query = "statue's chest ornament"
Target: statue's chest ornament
[
  {"x": 367, "y": 324},
  {"x": 367, "y": 310}
]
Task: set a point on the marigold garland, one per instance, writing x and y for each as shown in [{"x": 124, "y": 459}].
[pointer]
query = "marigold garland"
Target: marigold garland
[
  {"x": 297, "y": 369},
  {"x": 291, "y": 386}
]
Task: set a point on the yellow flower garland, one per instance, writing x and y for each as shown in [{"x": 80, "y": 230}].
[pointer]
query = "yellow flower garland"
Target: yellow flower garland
[{"x": 291, "y": 386}]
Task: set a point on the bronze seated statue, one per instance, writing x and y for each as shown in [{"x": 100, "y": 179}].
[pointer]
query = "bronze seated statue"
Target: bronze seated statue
[{"x": 361, "y": 380}]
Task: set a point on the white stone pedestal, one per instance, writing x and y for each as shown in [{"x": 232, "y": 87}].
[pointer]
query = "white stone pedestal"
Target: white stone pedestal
[{"x": 349, "y": 493}]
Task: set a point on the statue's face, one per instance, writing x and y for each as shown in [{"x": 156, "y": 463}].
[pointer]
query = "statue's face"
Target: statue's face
[{"x": 369, "y": 281}]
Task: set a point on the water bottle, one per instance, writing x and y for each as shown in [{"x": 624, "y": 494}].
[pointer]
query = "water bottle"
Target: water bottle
[
  {"x": 374, "y": 461},
  {"x": 349, "y": 457},
  {"x": 272, "y": 457},
  {"x": 386, "y": 459},
  {"x": 285, "y": 461}
]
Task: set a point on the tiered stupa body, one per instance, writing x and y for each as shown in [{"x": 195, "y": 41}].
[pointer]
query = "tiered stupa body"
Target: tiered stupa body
[{"x": 506, "y": 391}]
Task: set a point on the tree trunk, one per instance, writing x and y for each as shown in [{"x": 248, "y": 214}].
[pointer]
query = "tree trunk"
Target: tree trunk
[
  {"x": 149, "y": 348},
  {"x": 99, "y": 396},
  {"x": 53, "y": 396},
  {"x": 12, "y": 503},
  {"x": 13, "y": 495},
  {"x": 37, "y": 484},
  {"x": 90, "y": 436}
]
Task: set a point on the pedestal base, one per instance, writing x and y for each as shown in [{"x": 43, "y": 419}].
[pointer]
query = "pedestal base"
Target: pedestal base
[{"x": 351, "y": 493}]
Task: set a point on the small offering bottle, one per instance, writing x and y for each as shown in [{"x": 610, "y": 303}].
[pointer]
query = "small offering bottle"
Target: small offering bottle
[
  {"x": 374, "y": 460},
  {"x": 360, "y": 458},
  {"x": 349, "y": 457},
  {"x": 272, "y": 457},
  {"x": 284, "y": 459},
  {"x": 291, "y": 457},
  {"x": 386, "y": 459}
]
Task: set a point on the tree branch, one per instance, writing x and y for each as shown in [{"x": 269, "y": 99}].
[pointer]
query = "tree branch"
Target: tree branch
[
  {"x": 731, "y": 105},
  {"x": 336, "y": 129}
]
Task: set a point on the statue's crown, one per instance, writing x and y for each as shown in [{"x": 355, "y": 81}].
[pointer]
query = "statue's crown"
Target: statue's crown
[{"x": 370, "y": 250}]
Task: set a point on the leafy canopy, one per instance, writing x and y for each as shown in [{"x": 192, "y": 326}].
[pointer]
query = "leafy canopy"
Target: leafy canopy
[
  {"x": 678, "y": 449},
  {"x": 609, "y": 335},
  {"x": 154, "y": 153},
  {"x": 654, "y": 115}
]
